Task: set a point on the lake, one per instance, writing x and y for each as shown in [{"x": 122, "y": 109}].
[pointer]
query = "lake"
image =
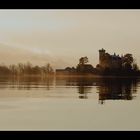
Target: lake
[{"x": 69, "y": 103}]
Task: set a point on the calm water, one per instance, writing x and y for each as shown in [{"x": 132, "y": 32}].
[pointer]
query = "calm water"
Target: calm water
[
  {"x": 96, "y": 89},
  {"x": 70, "y": 103}
]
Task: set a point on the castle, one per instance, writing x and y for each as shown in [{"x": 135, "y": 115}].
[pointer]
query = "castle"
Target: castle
[
  {"x": 108, "y": 65},
  {"x": 109, "y": 61}
]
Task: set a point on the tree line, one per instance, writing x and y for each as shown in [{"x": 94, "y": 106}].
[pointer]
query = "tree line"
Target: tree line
[
  {"x": 128, "y": 66},
  {"x": 23, "y": 69}
]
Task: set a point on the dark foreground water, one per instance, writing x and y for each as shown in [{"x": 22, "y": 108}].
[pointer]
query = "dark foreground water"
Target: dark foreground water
[{"x": 34, "y": 103}]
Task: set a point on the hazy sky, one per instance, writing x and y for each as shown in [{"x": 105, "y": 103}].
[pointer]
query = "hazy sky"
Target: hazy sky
[{"x": 61, "y": 37}]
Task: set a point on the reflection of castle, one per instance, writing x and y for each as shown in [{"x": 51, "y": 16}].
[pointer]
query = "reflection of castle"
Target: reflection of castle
[
  {"x": 117, "y": 89},
  {"x": 107, "y": 88},
  {"x": 109, "y": 61}
]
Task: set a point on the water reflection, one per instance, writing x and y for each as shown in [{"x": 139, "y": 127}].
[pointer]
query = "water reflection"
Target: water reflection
[
  {"x": 26, "y": 83},
  {"x": 106, "y": 88},
  {"x": 84, "y": 87},
  {"x": 116, "y": 89}
]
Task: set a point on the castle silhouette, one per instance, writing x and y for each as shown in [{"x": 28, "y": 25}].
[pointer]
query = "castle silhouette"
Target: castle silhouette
[
  {"x": 108, "y": 65},
  {"x": 110, "y": 61}
]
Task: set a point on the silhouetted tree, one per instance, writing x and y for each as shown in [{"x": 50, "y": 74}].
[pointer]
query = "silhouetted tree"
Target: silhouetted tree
[
  {"x": 25, "y": 69},
  {"x": 20, "y": 68},
  {"x": 13, "y": 69},
  {"x": 135, "y": 67},
  {"x": 82, "y": 67},
  {"x": 49, "y": 68},
  {"x": 83, "y": 60},
  {"x": 127, "y": 61}
]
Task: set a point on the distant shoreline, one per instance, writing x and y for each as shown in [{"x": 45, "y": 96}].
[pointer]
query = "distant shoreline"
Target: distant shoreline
[
  {"x": 96, "y": 76},
  {"x": 66, "y": 76}
]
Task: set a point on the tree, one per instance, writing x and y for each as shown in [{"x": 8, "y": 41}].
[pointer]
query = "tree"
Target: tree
[
  {"x": 83, "y": 60},
  {"x": 48, "y": 69},
  {"x": 127, "y": 61},
  {"x": 20, "y": 68},
  {"x": 135, "y": 67},
  {"x": 13, "y": 69},
  {"x": 28, "y": 68},
  {"x": 36, "y": 70}
]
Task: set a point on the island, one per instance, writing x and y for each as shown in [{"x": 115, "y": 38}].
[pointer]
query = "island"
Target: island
[{"x": 109, "y": 65}]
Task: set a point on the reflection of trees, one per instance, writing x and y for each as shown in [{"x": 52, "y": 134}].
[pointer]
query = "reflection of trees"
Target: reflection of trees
[
  {"x": 83, "y": 84},
  {"x": 108, "y": 88},
  {"x": 84, "y": 87},
  {"x": 26, "y": 82},
  {"x": 35, "y": 82},
  {"x": 116, "y": 89}
]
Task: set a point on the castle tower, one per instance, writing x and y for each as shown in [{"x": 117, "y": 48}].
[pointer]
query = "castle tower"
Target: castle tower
[{"x": 101, "y": 56}]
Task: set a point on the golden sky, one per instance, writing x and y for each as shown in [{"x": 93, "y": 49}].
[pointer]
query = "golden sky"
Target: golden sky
[{"x": 61, "y": 37}]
